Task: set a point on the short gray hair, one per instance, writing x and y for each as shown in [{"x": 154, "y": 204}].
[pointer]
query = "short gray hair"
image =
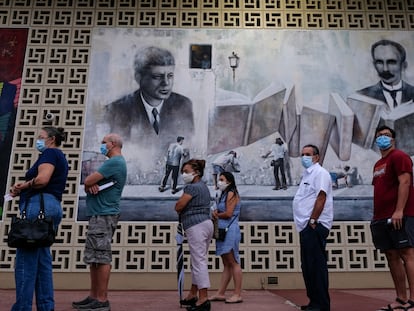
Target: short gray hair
[{"x": 115, "y": 138}]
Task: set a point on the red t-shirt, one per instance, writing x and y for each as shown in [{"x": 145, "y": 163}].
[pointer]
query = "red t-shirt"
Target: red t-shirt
[{"x": 385, "y": 181}]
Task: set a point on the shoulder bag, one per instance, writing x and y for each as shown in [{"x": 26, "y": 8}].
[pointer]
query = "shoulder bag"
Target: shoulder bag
[
  {"x": 29, "y": 234},
  {"x": 220, "y": 234}
]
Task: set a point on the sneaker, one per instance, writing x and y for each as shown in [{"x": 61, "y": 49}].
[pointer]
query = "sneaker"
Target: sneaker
[
  {"x": 85, "y": 301},
  {"x": 96, "y": 305},
  {"x": 161, "y": 189}
]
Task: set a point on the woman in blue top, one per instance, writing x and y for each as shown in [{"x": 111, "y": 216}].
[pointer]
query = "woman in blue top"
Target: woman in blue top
[
  {"x": 227, "y": 213},
  {"x": 33, "y": 267},
  {"x": 193, "y": 208}
]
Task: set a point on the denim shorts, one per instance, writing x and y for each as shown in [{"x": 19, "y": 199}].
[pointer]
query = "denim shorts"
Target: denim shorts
[{"x": 101, "y": 229}]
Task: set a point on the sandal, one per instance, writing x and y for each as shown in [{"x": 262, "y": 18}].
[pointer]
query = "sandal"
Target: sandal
[
  {"x": 411, "y": 305},
  {"x": 217, "y": 298},
  {"x": 234, "y": 299},
  {"x": 400, "y": 307}
]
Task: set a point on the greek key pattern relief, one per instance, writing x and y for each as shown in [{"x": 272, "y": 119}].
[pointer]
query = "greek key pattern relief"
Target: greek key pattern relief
[
  {"x": 151, "y": 248},
  {"x": 55, "y": 81}
]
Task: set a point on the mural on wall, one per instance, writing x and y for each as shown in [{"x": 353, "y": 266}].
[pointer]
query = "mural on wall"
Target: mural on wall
[
  {"x": 329, "y": 88},
  {"x": 12, "y": 52}
]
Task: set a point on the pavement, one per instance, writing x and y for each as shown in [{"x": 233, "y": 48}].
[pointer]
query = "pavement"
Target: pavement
[{"x": 253, "y": 300}]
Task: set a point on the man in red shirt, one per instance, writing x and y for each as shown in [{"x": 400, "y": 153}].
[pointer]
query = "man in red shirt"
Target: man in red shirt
[{"x": 392, "y": 226}]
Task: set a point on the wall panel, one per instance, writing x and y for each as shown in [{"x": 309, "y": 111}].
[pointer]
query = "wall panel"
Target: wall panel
[{"x": 55, "y": 81}]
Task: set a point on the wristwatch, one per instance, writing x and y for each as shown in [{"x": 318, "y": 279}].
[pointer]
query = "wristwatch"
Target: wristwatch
[{"x": 312, "y": 221}]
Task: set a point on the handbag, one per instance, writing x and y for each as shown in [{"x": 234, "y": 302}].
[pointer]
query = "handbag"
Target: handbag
[
  {"x": 220, "y": 234},
  {"x": 273, "y": 163},
  {"x": 213, "y": 207},
  {"x": 29, "y": 234}
]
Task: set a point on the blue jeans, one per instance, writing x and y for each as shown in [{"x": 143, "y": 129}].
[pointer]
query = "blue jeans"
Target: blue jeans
[{"x": 33, "y": 267}]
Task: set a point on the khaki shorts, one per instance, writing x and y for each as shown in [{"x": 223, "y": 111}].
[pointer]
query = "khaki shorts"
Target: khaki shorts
[{"x": 101, "y": 229}]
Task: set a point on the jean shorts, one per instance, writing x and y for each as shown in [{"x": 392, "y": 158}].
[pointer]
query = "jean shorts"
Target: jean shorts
[{"x": 101, "y": 229}]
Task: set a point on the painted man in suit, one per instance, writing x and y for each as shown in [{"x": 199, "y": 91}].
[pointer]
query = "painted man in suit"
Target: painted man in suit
[
  {"x": 389, "y": 59},
  {"x": 153, "y": 115}
]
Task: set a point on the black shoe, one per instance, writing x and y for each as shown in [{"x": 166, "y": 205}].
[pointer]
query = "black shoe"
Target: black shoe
[
  {"x": 95, "y": 305},
  {"x": 188, "y": 302},
  {"x": 276, "y": 188},
  {"x": 161, "y": 189},
  {"x": 85, "y": 301},
  {"x": 205, "y": 306},
  {"x": 174, "y": 191}
]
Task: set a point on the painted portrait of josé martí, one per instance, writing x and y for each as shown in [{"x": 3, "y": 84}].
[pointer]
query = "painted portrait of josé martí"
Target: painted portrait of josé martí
[{"x": 329, "y": 88}]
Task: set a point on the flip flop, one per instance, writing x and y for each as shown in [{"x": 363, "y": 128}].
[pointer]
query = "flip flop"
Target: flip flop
[
  {"x": 217, "y": 298},
  {"x": 234, "y": 299}
]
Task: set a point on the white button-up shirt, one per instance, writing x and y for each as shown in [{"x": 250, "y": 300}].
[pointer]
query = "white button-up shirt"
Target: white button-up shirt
[
  {"x": 314, "y": 180},
  {"x": 278, "y": 151}
]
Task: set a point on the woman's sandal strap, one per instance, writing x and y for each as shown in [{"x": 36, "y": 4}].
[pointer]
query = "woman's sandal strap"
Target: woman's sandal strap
[
  {"x": 400, "y": 301},
  {"x": 411, "y": 304}
]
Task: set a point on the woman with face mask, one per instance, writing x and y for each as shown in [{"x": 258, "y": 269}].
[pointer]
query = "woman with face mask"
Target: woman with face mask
[
  {"x": 193, "y": 208},
  {"x": 227, "y": 213},
  {"x": 47, "y": 177}
]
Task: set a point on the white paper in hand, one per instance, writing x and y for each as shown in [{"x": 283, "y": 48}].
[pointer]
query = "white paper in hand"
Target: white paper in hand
[
  {"x": 107, "y": 185},
  {"x": 7, "y": 197}
]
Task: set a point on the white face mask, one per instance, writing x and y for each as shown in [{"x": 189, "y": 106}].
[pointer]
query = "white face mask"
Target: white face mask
[
  {"x": 188, "y": 178},
  {"x": 222, "y": 185}
]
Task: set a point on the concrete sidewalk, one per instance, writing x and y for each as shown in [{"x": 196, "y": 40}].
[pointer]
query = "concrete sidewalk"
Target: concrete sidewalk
[{"x": 254, "y": 300}]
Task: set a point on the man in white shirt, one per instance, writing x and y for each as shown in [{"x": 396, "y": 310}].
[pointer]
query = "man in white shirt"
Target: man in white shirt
[
  {"x": 278, "y": 151},
  {"x": 313, "y": 216}
]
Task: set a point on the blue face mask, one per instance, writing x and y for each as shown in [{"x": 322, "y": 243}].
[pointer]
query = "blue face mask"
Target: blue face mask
[
  {"x": 383, "y": 142},
  {"x": 104, "y": 150},
  {"x": 306, "y": 161},
  {"x": 40, "y": 145}
]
